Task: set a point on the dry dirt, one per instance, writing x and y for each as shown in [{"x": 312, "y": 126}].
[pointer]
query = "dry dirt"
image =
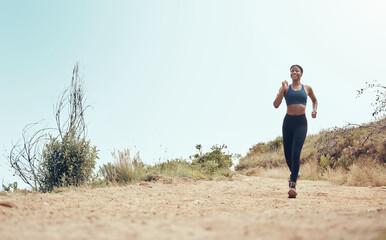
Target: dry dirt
[{"x": 243, "y": 208}]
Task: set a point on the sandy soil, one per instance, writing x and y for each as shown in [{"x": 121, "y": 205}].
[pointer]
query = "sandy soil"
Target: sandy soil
[{"x": 244, "y": 208}]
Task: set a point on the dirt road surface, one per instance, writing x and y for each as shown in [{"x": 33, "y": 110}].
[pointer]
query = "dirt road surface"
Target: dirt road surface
[{"x": 243, "y": 208}]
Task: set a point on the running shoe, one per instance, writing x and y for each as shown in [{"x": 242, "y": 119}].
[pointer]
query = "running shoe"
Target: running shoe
[{"x": 292, "y": 190}]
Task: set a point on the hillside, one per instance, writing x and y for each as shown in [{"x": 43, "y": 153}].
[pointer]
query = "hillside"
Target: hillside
[{"x": 353, "y": 155}]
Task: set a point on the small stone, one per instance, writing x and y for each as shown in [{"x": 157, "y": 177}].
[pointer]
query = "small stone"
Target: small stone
[
  {"x": 143, "y": 183},
  {"x": 8, "y": 204}
]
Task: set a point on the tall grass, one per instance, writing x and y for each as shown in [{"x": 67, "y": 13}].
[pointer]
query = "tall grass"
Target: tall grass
[{"x": 124, "y": 169}]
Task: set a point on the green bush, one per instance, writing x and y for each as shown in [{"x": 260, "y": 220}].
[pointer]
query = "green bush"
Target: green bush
[
  {"x": 344, "y": 162},
  {"x": 210, "y": 166},
  {"x": 324, "y": 162},
  {"x": 214, "y": 160},
  {"x": 67, "y": 162}
]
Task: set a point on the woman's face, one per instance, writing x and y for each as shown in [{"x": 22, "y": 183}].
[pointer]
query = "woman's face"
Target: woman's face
[{"x": 296, "y": 73}]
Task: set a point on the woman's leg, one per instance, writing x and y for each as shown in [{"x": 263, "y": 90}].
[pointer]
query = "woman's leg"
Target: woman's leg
[
  {"x": 299, "y": 136},
  {"x": 287, "y": 140}
]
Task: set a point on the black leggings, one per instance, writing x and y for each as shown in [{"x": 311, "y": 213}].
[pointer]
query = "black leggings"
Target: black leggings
[{"x": 294, "y": 134}]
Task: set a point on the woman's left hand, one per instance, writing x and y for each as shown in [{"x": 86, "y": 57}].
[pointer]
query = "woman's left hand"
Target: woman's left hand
[{"x": 313, "y": 114}]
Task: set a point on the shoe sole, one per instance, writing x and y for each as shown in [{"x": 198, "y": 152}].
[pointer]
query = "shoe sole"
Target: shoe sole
[{"x": 292, "y": 193}]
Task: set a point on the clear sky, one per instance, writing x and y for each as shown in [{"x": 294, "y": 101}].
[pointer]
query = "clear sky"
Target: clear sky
[{"x": 165, "y": 75}]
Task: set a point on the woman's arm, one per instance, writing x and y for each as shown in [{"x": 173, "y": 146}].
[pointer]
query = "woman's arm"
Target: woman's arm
[
  {"x": 280, "y": 95},
  {"x": 311, "y": 94}
]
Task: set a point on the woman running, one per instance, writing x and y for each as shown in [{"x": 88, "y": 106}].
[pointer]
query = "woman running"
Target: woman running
[{"x": 295, "y": 121}]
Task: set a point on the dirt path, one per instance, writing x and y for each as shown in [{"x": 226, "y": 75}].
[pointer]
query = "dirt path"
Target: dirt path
[{"x": 244, "y": 208}]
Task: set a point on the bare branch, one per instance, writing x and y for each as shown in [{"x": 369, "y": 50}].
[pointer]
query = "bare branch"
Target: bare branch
[
  {"x": 380, "y": 98},
  {"x": 72, "y": 101},
  {"x": 25, "y": 156}
]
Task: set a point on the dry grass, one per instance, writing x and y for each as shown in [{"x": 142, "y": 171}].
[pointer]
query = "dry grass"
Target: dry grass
[
  {"x": 125, "y": 166},
  {"x": 358, "y": 174},
  {"x": 281, "y": 172},
  {"x": 367, "y": 175},
  {"x": 124, "y": 169},
  {"x": 310, "y": 171}
]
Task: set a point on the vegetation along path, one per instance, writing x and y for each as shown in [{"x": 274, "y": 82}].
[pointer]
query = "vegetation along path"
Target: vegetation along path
[{"x": 177, "y": 208}]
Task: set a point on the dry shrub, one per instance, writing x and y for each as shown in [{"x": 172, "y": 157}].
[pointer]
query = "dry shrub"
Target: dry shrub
[
  {"x": 336, "y": 175},
  {"x": 264, "y": 160},
  {"x": 267, "y": 155},
  {"x": 310, "y": 171},
  {"x": 362, "y": 173},
  {"x": 367, "y": 175},
  {"x": 253, "y": 171},
  {"x": 381, "y": 149},
  {"x": 354, "y": 141}
]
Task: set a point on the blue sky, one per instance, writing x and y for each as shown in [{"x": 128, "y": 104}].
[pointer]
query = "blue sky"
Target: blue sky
[{"x": 163, "y": 76}]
